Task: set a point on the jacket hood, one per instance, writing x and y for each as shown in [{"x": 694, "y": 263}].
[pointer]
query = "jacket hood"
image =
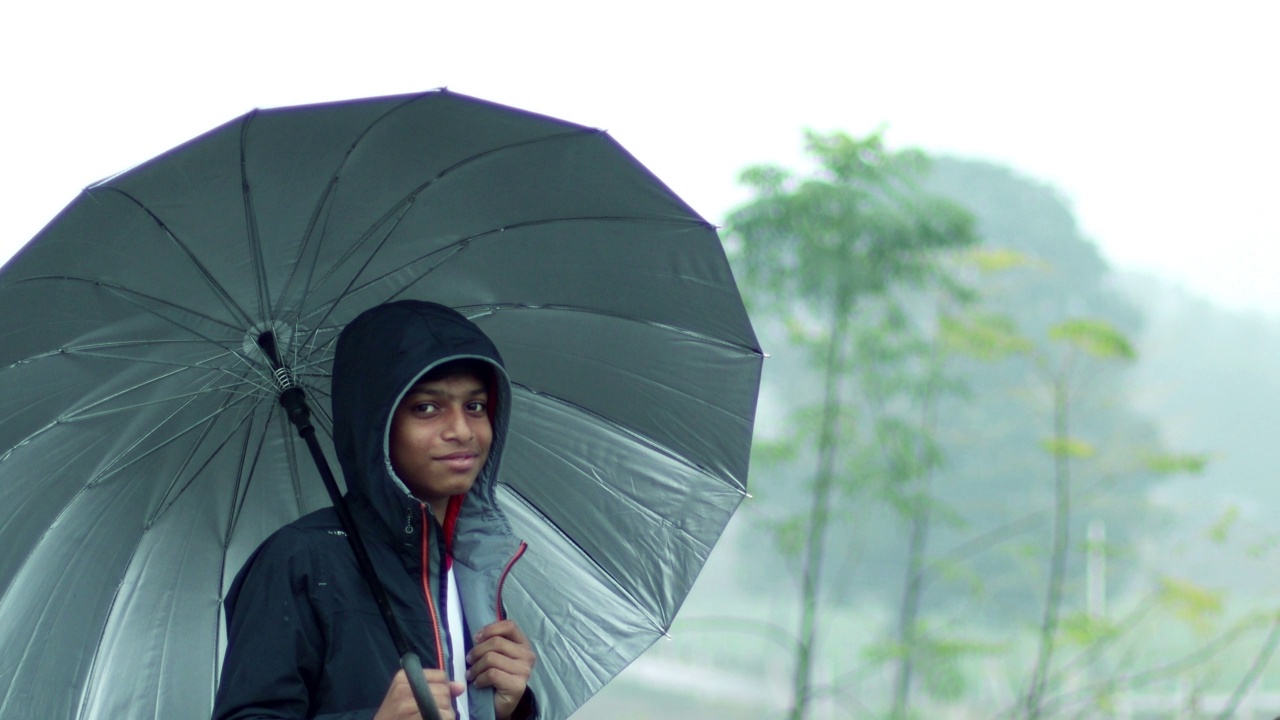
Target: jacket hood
[{"x": 379, "y": 356}]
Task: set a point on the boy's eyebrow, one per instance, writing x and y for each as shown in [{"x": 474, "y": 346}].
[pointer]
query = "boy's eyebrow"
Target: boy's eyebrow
[{"x": 428, "y": 390}]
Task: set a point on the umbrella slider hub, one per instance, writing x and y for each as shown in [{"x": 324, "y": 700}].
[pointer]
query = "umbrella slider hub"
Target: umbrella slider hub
[
  {"x": 284, "y": 379},
  {"x": 292, "y": 398}
]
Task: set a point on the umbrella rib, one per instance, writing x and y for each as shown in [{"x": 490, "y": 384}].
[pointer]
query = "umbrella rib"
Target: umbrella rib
[
  {"x": 456, "y": 247},
  {"x": 206, "y": 431},
  {"x": 131, "y": 296},
  {"x": 352, "y": 289},
  {"x": 251, "y": 219},
  {"x": 52, "y": 525},
  {"x": 394, "y": 218},
  {"x": 665, "y": 387},
  {"x": 323, "y": 207},
  {"x": 317, "y": 354},
  {"x": 397, "y": 211},
  {"x": 637, "y": 437},
  {"x": 115, "y": 597},
  {"x": 62, "y": 419},
  {"x": 240, "y": 493},
  {"x": 26, "y": 652},
  {"x": 93, "y": 664},
  {"x": 481, "y": 310},
  {"x": 83, "y": 414},
  {"x": 225, "y": 297},
  {"x": 618, "y": 586},
  {"x": 243, "y": 493},
  {"x": 253, "y": 381},
  {"x": 94, "y": 351},
  {"x": 637, "y": 507},
  {"x": 113, "y": 469},
  {"x": 90, "y": 348}
]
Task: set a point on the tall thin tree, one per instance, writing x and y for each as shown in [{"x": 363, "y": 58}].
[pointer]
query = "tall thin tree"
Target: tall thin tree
[{"x": 811, "y": 250}]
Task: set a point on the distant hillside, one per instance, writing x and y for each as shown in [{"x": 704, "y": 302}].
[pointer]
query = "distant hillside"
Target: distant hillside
[{"x": 1210, "y": 378}]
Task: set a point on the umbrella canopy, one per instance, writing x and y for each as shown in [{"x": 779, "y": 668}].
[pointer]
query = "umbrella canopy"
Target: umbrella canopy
[{"x": 143, "y": 455}]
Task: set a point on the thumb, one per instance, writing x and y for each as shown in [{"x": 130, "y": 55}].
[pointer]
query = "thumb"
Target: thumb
[{"x": 456, "y": 688}]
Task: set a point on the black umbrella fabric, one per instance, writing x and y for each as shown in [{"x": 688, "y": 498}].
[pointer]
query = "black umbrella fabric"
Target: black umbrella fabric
[{"x": 143, "y": 454}]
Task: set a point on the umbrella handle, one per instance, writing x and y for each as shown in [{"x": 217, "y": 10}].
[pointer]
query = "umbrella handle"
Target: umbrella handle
[{"x": 418, "y": 682}]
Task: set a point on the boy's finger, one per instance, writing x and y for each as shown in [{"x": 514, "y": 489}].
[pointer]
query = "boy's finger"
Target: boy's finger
[{"x": 502, "y": 628}]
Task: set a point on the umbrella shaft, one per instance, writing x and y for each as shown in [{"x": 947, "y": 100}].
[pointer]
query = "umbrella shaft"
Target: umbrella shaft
[{"x": 294, "y": 402}]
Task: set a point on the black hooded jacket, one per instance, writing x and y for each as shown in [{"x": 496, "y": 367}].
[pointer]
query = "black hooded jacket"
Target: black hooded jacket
[{"x": 305, "y": 638}]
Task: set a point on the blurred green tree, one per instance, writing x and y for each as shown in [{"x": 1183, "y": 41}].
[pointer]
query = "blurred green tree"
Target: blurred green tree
[
  {"x": 995, "y": 454},
  {"x": 1077, "y": 341},
  {"x": 840, "y": 258}
]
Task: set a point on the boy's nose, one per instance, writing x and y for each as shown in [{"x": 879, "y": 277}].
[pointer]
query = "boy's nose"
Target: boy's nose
[{"x": 459, "y": 427}]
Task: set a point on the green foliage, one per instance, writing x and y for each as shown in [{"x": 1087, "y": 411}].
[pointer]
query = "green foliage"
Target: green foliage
[
  {"x": 1221, "y": 527},
  {"x": 961, "y": 575},
  {"x": 1095, "y": 337},
  {"x": 998, "y": 260},
  {"x": 983, "y": 336},
  {"x": 1194, "y": 604},
  {"x": 1263, "y": 547},
  {"x": 940, "y": 658},
  {"x": 859, "y": 226},
  {"x": 773, "y": 451},
  {"x": 1068, "y": 447},
  {"x": 1176, "y": 464},
  {"x": 941, "y": 676},
  {"x": 790, "y": 533},
  {"x": 1084, "y": 630}
]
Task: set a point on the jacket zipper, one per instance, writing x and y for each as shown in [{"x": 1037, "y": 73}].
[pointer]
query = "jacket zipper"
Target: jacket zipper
[
  {"x": 501, "y": 610},
  {"x": 426, "y": 589}
]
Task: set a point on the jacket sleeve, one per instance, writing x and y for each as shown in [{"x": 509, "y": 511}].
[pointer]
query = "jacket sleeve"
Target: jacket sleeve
[
  {"x": 528, "y": 707},
  {"x": 275, "y": 647}
]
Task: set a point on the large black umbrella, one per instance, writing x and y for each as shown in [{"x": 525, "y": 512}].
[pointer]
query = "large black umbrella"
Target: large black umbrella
[{"x": 143, "y": 454}]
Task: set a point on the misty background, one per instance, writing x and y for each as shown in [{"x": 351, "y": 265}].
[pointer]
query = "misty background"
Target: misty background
[{"x": 1123, "y": 151}]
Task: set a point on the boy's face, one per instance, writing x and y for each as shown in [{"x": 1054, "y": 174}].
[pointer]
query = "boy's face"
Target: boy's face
[{"x": 440, "y": 438}]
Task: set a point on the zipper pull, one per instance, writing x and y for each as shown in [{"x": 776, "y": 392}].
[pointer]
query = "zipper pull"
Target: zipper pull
[
  {"x": 502, "y": 609},
  {"x": 408, "y": 521}
]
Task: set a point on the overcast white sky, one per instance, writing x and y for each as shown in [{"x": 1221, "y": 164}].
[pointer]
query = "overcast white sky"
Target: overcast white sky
[{"x": 1157, "y": 120}]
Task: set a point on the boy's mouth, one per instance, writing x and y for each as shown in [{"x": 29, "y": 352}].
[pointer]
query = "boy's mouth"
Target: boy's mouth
[{"x": 458, "y": 460}]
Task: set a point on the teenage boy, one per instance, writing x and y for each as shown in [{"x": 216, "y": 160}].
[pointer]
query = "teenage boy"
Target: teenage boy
[{"x": 421, "y": 403}]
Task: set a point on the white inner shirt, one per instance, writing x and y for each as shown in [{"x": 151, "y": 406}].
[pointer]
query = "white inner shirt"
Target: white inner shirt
[{"x": 458, "y": 642}]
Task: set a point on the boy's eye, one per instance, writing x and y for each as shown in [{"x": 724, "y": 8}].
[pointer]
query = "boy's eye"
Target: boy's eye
[
  {"x": 476, "y": 406},
  {"x": 424, "y": 407}
]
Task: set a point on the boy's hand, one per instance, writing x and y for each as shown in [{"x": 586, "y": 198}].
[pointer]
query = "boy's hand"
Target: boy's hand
[
  {"x": 502, "y": 659},
  {"x": 399, "y": 703}
]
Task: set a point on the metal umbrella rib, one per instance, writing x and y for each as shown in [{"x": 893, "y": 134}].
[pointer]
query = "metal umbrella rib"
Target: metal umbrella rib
[{"x": 228, "y": 300}]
